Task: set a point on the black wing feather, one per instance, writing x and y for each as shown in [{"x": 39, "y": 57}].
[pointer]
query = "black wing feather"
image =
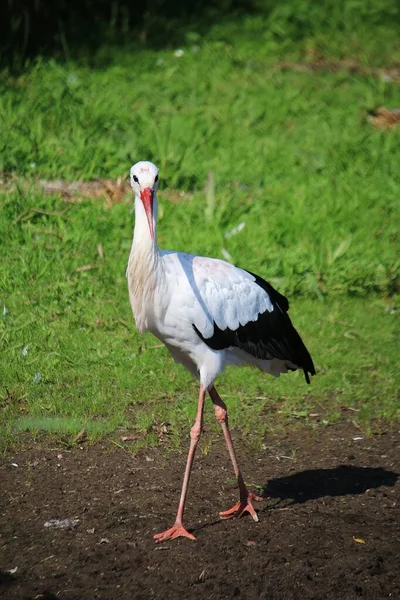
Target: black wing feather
[{"x": 271, "y": 336}]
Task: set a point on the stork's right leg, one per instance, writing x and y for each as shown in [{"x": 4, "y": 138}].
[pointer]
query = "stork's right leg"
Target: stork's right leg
[
  {"x": 178, "y": 530},
  {"x": 246, "y": 497}
]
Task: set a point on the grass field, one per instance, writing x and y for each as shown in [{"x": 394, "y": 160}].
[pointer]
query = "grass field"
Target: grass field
[{"x": 293, "y": 159}]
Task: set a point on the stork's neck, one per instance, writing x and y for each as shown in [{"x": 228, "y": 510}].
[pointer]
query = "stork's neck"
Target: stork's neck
[
  {"x": 144, "y": 261},
  {"x": 144, "y": 267},
  {"x": 143, "y": 243}
]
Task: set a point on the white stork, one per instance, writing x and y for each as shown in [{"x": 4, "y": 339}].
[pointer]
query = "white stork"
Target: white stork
[{"x": 209, "y": 314}]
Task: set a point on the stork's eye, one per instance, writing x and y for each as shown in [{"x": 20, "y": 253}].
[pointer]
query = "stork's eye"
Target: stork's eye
[
  {"x": 156, "y": 179},
  {"x": 135, "y": 178}
]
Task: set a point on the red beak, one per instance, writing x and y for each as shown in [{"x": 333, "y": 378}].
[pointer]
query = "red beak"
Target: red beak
[{"x": 147, "y": 198}]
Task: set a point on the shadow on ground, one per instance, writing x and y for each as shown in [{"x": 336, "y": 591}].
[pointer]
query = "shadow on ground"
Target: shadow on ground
[{"x": 317, "y": 483}]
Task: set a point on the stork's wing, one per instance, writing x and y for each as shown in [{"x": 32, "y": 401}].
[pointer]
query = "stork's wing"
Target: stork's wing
[{"x": 244, "y": 311}]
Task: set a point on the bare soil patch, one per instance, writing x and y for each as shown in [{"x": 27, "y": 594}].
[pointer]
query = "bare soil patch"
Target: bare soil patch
[
  {"x": 111, "y": 191},
  {"x": 329, "y": 525},
  {"x": 348, "y": 65}
]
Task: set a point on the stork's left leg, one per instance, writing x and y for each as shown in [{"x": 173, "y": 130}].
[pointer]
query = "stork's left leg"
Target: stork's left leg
[
  {"x": 246, "y": 497},
  {"x": 178, "y": 530}
]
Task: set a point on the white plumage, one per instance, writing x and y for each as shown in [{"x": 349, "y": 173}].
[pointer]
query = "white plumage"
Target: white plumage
[
  {"x": 192, "y": 290},
  {"x": 208, "y": 313}
]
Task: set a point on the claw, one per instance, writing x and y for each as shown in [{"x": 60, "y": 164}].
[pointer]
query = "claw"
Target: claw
[
  {"x": 244, "y": 505},
  {"x": 174, "y": 532}
]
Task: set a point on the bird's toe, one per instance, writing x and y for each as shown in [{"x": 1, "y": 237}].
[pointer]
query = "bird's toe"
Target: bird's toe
[
  {"x": 172, "y": 533},
  {"x": 242, "y": 506}
]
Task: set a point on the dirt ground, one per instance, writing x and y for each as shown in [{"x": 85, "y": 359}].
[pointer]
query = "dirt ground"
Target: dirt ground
[{"x": 329, "y": 525}]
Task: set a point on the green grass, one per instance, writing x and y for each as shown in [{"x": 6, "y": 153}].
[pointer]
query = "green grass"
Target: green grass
[
  {"x": 292, "y": 158},
  {"x": 75, "y": 329}
]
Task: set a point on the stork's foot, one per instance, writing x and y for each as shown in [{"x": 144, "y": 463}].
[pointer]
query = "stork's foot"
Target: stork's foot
[
  {"x": 244, "y": 505},
  {"x": 174, "y": 532}
]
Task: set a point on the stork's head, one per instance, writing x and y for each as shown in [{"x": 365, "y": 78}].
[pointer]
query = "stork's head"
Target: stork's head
[{"x": 144, "y": 182}]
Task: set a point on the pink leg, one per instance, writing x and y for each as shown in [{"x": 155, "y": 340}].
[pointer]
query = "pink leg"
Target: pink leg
[
  {"x": 246, "y": 497},
  {"x": 178, "y": 529}
]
